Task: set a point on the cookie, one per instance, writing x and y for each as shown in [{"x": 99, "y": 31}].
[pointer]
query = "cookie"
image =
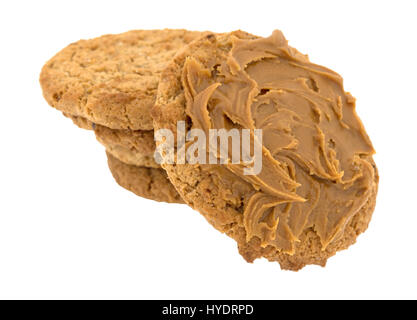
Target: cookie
[
  {"x": 316, "y": 189},
  {"x": 112, "y": 80},
  {"x": 135, "y": 159},
  {"x": 131, "y": 147},
  {"x": 135, "y": 171},
  {"x": 150, "y": 183},
  {"x": 131, "y": 161},
  {"x": 80, "y": 122}
]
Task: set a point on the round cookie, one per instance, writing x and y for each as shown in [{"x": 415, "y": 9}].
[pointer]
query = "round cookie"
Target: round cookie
[
  {"x": 112, "y": 80},
  {"x": 80, "y": 122},
  {"x": 150, "y": 183},
  {"x": 317, "y": 188},
  {"x": 131, "y": 147},
  {"x": 134, "y": 159}
]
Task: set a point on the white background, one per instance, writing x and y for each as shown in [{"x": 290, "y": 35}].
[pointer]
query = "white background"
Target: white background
[{"x": 67, "y": 230}]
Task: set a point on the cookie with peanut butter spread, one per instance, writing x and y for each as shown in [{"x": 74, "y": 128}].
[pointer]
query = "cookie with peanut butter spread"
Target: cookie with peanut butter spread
[
  {"x": 150, "y": 183},
  {"x": 112, "y": 80},
  {"x": 316, "y": 190}
]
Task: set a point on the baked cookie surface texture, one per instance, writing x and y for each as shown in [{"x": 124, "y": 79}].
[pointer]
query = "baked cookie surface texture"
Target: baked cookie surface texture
[
  {"x": 112, "y": 80},
  {"x": 150, "y": 183}
]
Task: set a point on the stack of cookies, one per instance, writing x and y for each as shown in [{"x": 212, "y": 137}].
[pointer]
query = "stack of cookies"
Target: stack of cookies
[
  {"x": 109, "y": 85},
  {"x": 317, "y": 187}
]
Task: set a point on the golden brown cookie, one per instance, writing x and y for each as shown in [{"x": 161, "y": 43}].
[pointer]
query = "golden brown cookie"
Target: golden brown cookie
[
  {"x": 131, "y": 168},
  {"x": 131, "y": 147},
  {"x": 112, "y": 80},
  {"x": 80, "y": 122},
  {"x": 150, "y": 183},
  {"x": 316, "y": 190},
  {"x": 135, "y": 159}
]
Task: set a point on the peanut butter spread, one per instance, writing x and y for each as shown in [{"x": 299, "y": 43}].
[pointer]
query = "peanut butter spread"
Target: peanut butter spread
[{"x": 316, "y": 169}]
